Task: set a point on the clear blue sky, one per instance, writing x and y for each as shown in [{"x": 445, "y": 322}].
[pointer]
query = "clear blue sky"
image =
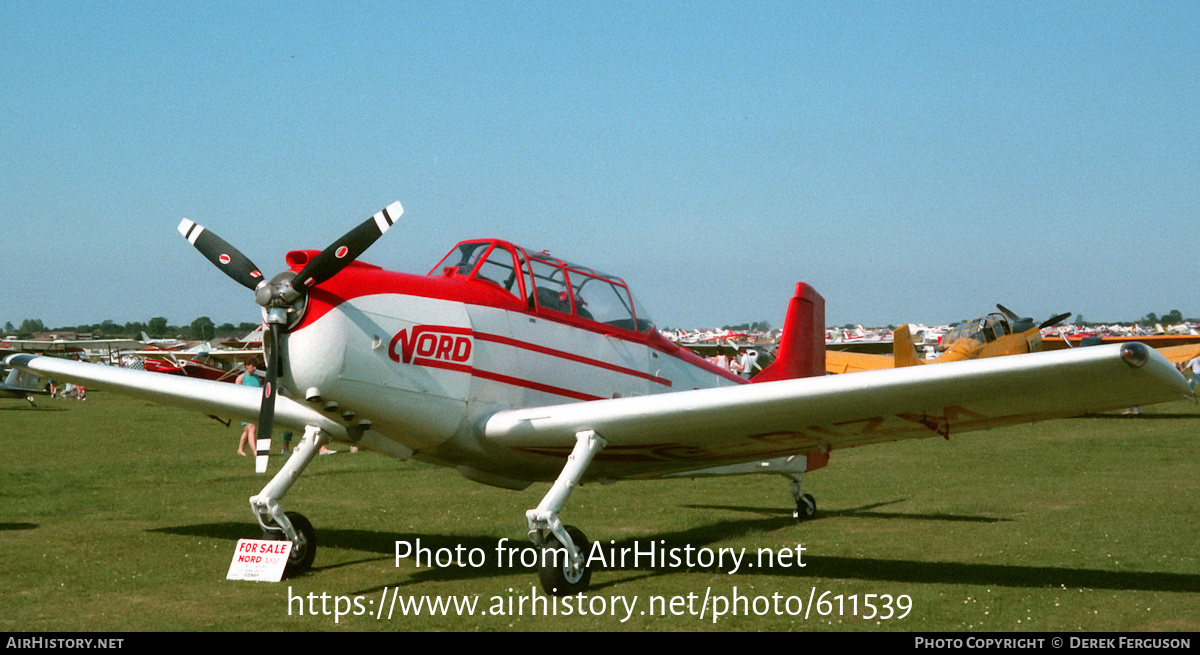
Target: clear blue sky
[{"x": 913, "y": 161}]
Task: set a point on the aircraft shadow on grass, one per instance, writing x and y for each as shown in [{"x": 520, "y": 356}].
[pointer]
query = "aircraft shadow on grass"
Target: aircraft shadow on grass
[
  {"x": 866, "y": 511},
  {"x": 1141, "y": 417},
  {"x": 817, "y": 566}
]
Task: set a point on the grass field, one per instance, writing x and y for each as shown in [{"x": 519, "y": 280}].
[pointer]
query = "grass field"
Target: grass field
[{"x": 121, "y": 515}]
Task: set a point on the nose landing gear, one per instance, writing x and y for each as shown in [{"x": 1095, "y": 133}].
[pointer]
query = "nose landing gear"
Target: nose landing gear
[{"x": 278, "y": 525}]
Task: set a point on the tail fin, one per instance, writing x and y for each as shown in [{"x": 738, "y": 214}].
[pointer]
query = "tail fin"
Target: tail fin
[
  {"x": 802, "y": 344},
  {"x": 904, "y": 353}
]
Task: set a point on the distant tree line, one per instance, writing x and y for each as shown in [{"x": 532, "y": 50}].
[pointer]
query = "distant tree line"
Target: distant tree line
[
  {"x": 756, "y": 326},
  {"x": 201, "y": 329},
  {"x": 1173, "y": 317}
]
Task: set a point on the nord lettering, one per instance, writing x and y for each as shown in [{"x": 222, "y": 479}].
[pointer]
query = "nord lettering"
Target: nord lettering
[{"x": 438, "y": 342}]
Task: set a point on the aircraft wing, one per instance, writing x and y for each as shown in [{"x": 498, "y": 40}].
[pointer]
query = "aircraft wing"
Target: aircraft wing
[
  {"x": 207, "y": 396},
  {"x": 166, "y": 355},
  {"x": 841, "y": 361},
  {"x": 813, "y": 415},
  {"x": 248, "y": 352},
  {"x": 59, "y": 345},
  {"x": 1180, "y": 354}
]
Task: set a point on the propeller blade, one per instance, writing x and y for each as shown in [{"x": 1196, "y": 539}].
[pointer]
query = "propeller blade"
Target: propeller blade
[
  {"x": 266, "y": 411},
  {"x": 1008, "y": 312},
  {"x": 219, "y": 252},
  {"x": 346, "y": 249},
  {"x": 1054, "y": 320}
]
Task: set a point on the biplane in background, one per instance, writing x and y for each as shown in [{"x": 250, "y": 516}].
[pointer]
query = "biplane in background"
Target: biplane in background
[{"x": 512, "y": 366}]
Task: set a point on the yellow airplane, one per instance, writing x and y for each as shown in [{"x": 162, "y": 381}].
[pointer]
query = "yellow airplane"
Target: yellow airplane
[{"x": 994, "y": 335}]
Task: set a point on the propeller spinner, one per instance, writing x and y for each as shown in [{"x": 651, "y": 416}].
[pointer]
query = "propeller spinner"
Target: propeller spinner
[{"x": 283, "y": 297}]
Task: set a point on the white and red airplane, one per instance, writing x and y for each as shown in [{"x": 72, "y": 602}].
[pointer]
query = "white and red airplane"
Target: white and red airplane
[{"x": 513, "y": 366}]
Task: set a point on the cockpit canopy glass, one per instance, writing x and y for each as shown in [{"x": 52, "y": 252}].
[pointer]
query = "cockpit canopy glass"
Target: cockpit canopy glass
[
  {"x": 545, "y": 283},
  {"x": 984, "y": 330}
]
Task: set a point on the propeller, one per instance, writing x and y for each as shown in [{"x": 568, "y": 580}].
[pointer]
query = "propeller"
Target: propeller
[
  {"x": 284, "y": 296},
  {"x": 226, "y": 257},
  {"x": 1054, "y": 320},
  {"x": 1021, "y": 324}
]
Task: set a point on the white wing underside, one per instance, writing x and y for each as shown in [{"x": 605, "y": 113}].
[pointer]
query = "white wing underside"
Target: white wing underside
[
  {"x": 693, "y": 429},
  {"x": 709, "y": 427},
  {"x": 207, "y": 396}
]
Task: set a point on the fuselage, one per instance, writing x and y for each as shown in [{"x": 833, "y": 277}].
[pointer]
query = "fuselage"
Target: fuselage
[
  {"x": 425, "y": 360},
  {"x": 990, "y": 336}
]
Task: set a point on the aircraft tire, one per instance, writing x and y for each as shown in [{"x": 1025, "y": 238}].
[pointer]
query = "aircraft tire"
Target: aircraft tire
[
  {"x": 805, "y": 510},
  {"x": 300, "y": 559},
  {"x": 561, "y": 580}
]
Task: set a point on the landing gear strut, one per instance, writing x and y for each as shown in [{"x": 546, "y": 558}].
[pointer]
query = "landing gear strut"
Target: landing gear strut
[
  {"x": 564, "y": 572},
  {"x": 279, "y": 525}
]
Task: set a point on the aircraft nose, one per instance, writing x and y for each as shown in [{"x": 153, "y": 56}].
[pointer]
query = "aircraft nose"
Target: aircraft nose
[{"x": 314, "y": 356}]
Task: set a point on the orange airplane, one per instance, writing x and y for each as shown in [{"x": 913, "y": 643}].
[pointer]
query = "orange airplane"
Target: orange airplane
[{"x": 994, "y": 335}]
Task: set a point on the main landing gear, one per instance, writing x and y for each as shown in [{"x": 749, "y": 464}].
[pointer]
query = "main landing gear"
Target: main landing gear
[
  {"x": 564, "y": 570},
  {"x": 806, "y": 505},
  {"x": 278, "y": 525}
]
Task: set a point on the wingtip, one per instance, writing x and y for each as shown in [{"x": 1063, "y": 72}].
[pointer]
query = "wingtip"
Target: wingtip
[{"x": 18, "y": 359}]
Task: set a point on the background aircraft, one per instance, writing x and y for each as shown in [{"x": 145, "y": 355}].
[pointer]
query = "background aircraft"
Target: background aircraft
[
  {"x": 200, "y": 361},
  {"x": 512, "y": 366},
  {"x": 71, "y": 346},
  {"x": 21, "y": 385},
  {"x": 997, "y": 335},
  {"x": 165, "y": 344},
  {"x": 994, "y": 335},
  {"x": 1176, "y": 348}
]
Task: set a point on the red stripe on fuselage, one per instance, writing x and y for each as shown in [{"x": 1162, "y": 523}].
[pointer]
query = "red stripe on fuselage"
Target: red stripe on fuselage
[
  {"x": 505, "y": 379},
  {"x": 494, "y": 338}
]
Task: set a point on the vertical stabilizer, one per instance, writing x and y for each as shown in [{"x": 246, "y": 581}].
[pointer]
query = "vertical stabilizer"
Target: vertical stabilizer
[
  {"x": 802, "y": 345},
  {"x": 904, "y": 353}
]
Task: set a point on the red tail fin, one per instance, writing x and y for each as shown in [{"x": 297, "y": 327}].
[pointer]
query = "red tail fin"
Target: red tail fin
[{"x": 802, "y": 344}]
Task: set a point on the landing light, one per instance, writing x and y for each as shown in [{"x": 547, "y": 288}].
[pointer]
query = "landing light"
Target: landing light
[{"x": 1135, "y": 354}]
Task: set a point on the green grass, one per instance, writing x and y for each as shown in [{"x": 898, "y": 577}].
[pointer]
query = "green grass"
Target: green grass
[{"x": 121, "y": 515}]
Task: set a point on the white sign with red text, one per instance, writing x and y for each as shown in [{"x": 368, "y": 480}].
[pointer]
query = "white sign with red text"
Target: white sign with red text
[{"x": 259, "y": 560}]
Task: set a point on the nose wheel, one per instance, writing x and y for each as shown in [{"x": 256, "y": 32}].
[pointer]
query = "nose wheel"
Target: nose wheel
[
  {"x": 559, "y": 574},
  {"x": 304, "y": 549}
]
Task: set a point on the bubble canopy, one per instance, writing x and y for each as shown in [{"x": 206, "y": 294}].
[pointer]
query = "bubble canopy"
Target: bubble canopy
[{"x": 548, "y": 284}]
